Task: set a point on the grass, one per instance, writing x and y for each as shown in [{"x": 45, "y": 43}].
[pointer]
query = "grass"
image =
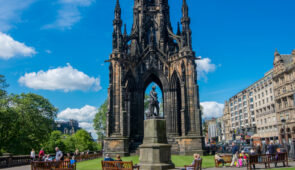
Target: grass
[
  {"x": 179, "y": 161},
  {"x": 290, "y": 168}
]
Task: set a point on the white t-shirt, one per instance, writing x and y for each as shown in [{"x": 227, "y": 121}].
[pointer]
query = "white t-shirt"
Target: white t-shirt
[{"x": 33, "y": 155}]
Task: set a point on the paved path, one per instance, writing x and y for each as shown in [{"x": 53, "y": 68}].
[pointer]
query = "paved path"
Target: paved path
[{"x": 28, "y": 167}]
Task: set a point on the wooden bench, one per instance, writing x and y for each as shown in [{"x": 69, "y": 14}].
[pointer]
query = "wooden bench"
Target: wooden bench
[
  {"x": 267, "y": 159},
  {"x": 118, "y": 165},
  {"x": 60, "y": 165},
  {"x": 227, "y": 159},
  {"x": 197, "y": 166}
]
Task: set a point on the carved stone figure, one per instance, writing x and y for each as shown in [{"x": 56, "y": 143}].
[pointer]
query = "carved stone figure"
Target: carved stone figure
[{"x": 153, "y": 104}]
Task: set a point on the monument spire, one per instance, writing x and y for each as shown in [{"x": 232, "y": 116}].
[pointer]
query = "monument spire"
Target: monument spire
[
  {"x": 185, "y": 21},
  {"x": 117, "y": 23},
  {"x": 118, "y": 10},
  {"x": 184, "y": 9}
]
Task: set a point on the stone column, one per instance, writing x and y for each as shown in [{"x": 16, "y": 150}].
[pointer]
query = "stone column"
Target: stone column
[{"x": 155, "y": 152}]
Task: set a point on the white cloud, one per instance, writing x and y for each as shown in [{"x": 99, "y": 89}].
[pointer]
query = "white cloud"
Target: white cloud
[
  {"x": 204, "y": 66},
  {"x": 212, "y": 109},
  {"x": 84, "y": 116},
  {"x": 62, "y": 78},
  {"x": 10, "y": 48},
  {"x": 48, "y": 51},
  {"x": 69, "y": 14},
  {"x": 10, "y": 12}
]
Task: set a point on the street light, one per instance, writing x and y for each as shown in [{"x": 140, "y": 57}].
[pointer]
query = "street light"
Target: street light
[{"x": 284, "y": 128}]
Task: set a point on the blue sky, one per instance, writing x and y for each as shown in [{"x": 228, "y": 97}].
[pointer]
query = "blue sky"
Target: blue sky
[{"x": 44, "y": 41}]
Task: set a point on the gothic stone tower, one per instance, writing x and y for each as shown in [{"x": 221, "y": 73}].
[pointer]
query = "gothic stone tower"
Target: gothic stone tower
[{"x": 153, "y": 53}]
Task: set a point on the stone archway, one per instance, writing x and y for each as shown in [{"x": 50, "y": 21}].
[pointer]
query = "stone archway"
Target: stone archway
[{"x": 153, "y": 53}]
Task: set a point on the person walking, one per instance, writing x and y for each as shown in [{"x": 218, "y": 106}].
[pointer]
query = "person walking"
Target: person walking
[
  {"x": 58, "y": 155},
  {"x": 41, "y": 154},
  {"x": 33, "y": 155},
  {"x": 234, "y": 151}
]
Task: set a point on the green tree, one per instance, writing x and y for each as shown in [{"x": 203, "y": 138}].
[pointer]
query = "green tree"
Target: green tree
[
  {"x": 55, "y": 140},
  {"x": 3, "y": 86},
  {"x": 69, "y": 142},
  {"x": 99, "y": 121},
  {"x": 33, "y": 120},
  {"x": 83, "y": 140}
]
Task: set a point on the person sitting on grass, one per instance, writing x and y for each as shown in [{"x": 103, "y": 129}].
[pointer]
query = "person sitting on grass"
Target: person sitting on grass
[
  {"x": 108, "y": 158},
  {"x": 219, "y": 159}
]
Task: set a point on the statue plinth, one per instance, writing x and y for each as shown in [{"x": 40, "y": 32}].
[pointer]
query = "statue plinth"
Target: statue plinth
[{"x": 155, "y": 152}]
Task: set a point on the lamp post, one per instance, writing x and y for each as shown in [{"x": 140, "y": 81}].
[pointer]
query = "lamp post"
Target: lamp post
[{"x": 284, "y": 128}]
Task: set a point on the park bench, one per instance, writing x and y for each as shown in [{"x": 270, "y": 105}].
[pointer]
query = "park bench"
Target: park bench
[
  {"x": 60, "y": 165},
  {"x": 197, "y": 166},
  {"x": 267, "y": 159},
  {"x": 227, "y": 159},
  {"x": 118, "y": 165}
]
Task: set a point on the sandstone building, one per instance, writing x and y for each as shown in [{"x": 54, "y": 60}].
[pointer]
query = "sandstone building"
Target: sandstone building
[
  {"x": 227, "y": 135},
  {"x": 284, "y": 90},
  {"x": 266, "y": 108}
]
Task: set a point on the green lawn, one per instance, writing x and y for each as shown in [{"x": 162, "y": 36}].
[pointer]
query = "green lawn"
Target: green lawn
[{"x": 179, "y": 161}]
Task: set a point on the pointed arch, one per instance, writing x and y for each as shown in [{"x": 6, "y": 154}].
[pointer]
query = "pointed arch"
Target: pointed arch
[{"x": 175, "y": 107}]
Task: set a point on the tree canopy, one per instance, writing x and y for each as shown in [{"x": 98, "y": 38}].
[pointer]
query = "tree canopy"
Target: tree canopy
[
  {"x": 99, "y": 121},
  {"x": 81, "y": 140},
  {"x": 26, "y": 121}
]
